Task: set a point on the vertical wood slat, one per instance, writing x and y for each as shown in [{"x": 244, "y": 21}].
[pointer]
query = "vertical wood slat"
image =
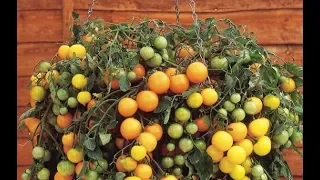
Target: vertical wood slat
[{"x": 67, "y": 8}]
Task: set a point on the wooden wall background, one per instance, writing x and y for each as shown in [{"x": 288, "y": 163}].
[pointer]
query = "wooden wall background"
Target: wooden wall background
[{"x": 42, "y": 24}]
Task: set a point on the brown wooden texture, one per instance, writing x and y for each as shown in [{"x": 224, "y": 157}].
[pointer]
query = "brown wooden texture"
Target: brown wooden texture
[
  {"x": 43, "y": 26},
  {"x": 201, "y": 6},
  {"x": 269, "y": 26},
  {"x": 27, "y": 5},
  {"x": 39, "y": 26}
]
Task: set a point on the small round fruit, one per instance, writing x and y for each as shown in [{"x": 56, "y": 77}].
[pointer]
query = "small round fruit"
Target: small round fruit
[
  {"x": 38, "y": 93},
  {"x": 229, "y": 106},
  {"x": 165, "y": 57},
  {"x": 202, "y": 124},
  {"x": 65, "y": 168},
  {"x": 179, "y": 83},
  {"x": 138, "y": 152},
  {"x": 185, "y": 52},
  {"x": 235, "y": 98},
  {"x": 25, "y": 176},
  {"x": 264, "y": 176},
  {"x": 222, "y": 140},
  {"x": 146, "y": 53},
  {"x": 250, "y": 107},
  {"x": 132, "y": 178},
  {"x": 200, "y": 144},
  {"x": 91, "y": 175},
  {"x": 177, "y": 171},
  {"x": 281, "y": 138},
  {"x": 127, "y": 107},
  {"x": 257, "y": 170},
  {"x": 258, "y": 103},
  {"x": 47, "y": 156},
  {"x": 62, "y": 94},
  {"x": 236, "y": 154},
  {"x": 160, "y": 42},
  {"x": 223, "y": 113},
  {"x": 238, "y": 114},
  {"x": 288, "y": 85},
  {"x": 84, "y": 97},
  {"x": 155, "y": 129},
  {"x": 209, "y": 96},
  {"x": 215, "y": 154},
  {"x": 225, "y": 166},
  {"x": 290, "y": 130},
  {"x": 182, "y": 114},
  {"x": 100, "y": 165},
  {"x": 148, "y": 140},
  {"x": 72, "y": 102},
  {"x": 129, "y": 164},
  {"x": 179, "y": 160},
  {"x": 171, "y": 147},
  {"x": 247, "y": 165},
  {"x": 38, "y": 152},
  {"x": 288, "y": 144},
  {"x": 167, "y": 162},
  {"x": 237, "y": 130},
  {"x": 130, "y": 128},
  {"x": 263, "y": 146},
  {"x": 191, "y": 128},
  {"x": 259, "y": 127},
  {"x": 63, "y": 51},
  {"x": 44, "y": 66},
  {"x": 143, "y": 171},
  {"x": 175, "y": 130},
  {"x": 147, "y": 100},
  {"x": 131, "y": 75},
  {"x": 238, "y": 172},
  {"x": 79, "y": 81},
  {"x": 194, "y": 100},
  {"x": 197, "y": 72},
  {"x": 155, "y": 61},
  {"x": 296, "y": 137},
  {"x": 185, "y": 145},
  {"x": 75, "y": 155},
  {"x": 271, "y": 101},
  {"x": 63, "y": 110},
  {"x": 247, "y": 145},
  {"x": 43, "y": 174},
  {"x": 159, "y": 82},
  {"x": 219, "y": 62}
]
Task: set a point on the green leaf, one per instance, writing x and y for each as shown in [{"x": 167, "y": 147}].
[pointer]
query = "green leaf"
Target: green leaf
[
  {"x": 29, "y": 113},
  {"x": 91, "y": 81},
  {"x": 90, "y": 144},
  {"x": 298, "y": 109},
  {"x": 96, "y": 154},
  {"x": 293, "y": 146},
  {"x": 190, "y": 91},
  {"x": 190, "y": 167},
  {"x": 163, "y": 105},
  {"x": 207, "y": 120},
  {"x": 133, "y": 61},
  {"x": 286, "y": 172},
  {"x": 269, "y": 75},
  {"x": 120, "y": 176},
  {"x": 124, "y": 83},
  {"x": 231, "y": 59},
  {"x": 202, "y": 163},
  {"x": 112, "y": 124},
  {"x": 75, "y": 15},
  {"x": 298, "y": 81},
  {"x": 293, "y": 69},
  {"x": 91, "y": 63},
  {"x": 167, "y": 116},
  {"x": 229, "y": 82},
  {"x": 104, "y": 137}
]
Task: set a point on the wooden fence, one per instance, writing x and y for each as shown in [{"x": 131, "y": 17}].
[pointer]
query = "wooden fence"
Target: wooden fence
[{"x": 43, "y": 24}]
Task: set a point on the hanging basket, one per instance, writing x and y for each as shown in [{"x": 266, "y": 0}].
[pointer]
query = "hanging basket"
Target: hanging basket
[{"x": 151, "y": 100}]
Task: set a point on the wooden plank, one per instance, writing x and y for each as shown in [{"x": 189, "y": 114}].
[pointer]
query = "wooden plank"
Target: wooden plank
[
  {"x": 269, "y": 26},
  {"x": 295, "y": 161},
  {"x": 201, "y": 6},
  {"x": 23, "y": 96},
  {"x": 66, "y": 18},
  {"x": 286, "y": 52},
  {"x": 29, "y": 54},
  {"x": 20, "y": 170},
  {"x": 39, "y": 26},
  {"x": 27, "y": 5},
  {"x": 294, "y": 178},
  {"x": 24, "y": 152}
]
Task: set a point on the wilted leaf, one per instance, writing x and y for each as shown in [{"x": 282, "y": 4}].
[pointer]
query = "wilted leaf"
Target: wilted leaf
[
  {"x": 96, "y": 154},
  {"x": 124, "y": 83},
  {"x": 167, "y": 116},
  {"x": 91, "y": 81},
  {"x": 104, "y": 137}
]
